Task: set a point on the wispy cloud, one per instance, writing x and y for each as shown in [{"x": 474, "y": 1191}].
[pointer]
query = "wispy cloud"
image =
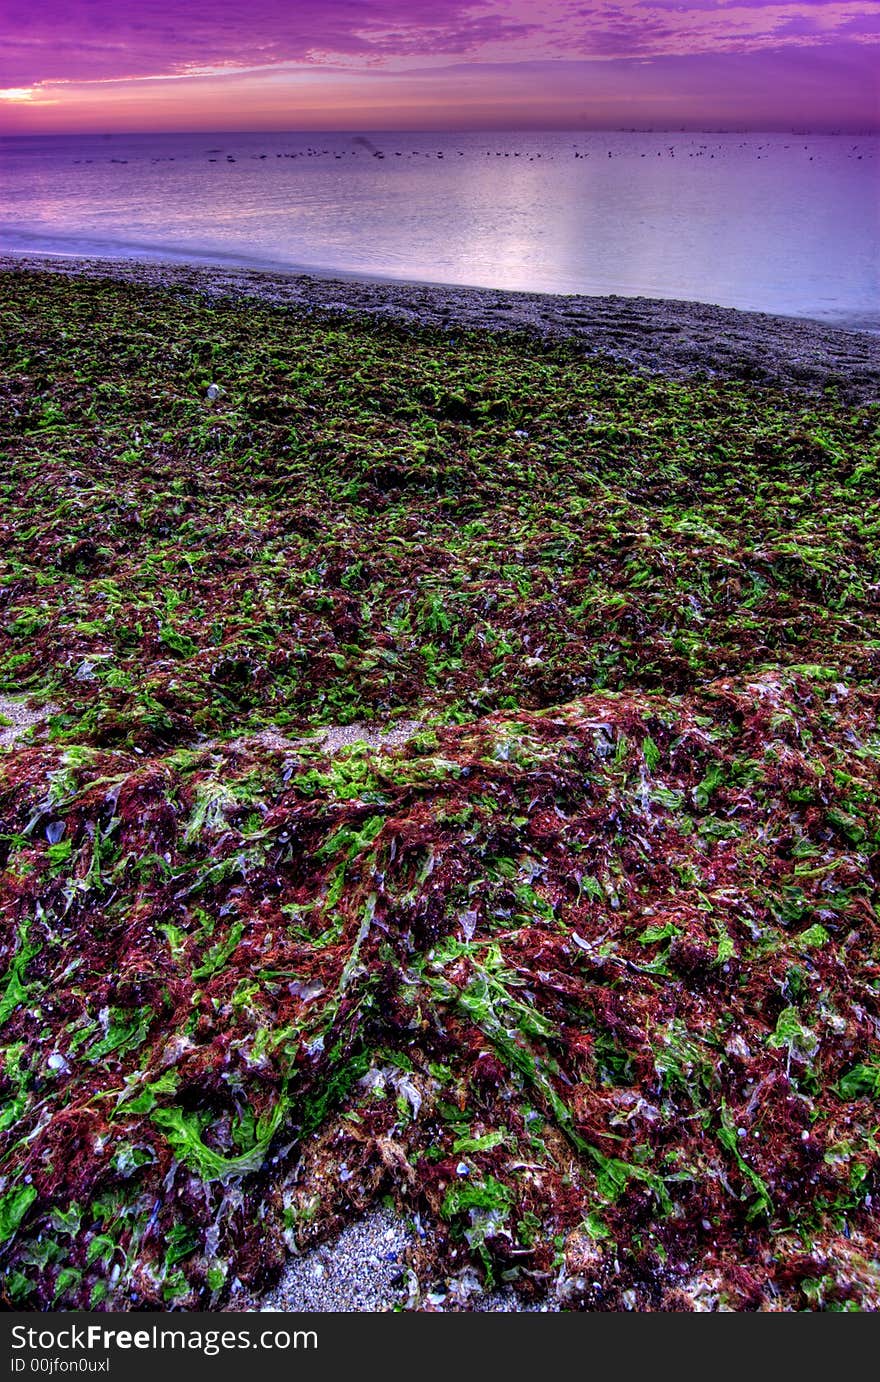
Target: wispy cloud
[
  {"x": 100, "y": 39},
  {"x": 59, "y": 51}
]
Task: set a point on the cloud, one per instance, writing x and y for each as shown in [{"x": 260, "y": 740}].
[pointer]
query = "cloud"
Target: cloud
[
  {"x": 367, "y": 64},
  {"x": 101, "y": 40}
]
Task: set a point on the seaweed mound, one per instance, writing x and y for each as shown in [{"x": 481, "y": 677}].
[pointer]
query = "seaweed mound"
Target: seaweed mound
[{"x": 585, "y": 973}]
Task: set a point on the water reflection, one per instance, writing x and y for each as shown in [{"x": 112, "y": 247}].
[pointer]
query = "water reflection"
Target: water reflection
[{"x": 770, "y": 222}]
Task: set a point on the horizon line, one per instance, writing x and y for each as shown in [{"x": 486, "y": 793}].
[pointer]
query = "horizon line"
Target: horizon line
[{"x": 862, "y": 130}]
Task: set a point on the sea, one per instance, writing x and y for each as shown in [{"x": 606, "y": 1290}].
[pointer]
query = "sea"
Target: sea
[{"x": 786, "y": 223}]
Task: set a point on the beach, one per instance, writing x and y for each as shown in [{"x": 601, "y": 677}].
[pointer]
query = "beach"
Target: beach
[
  {"x": 439, "y": 798},
  {"x": 677, "y": 339}
]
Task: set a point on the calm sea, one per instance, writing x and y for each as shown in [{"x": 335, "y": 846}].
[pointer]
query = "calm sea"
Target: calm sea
[{"x": 777, "y": 223}]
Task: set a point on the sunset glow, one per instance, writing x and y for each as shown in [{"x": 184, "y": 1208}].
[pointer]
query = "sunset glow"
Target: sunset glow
[{"x": 95, "y": 66}]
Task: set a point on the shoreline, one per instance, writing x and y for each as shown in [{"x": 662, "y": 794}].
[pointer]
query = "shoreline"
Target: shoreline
[{"x": 649, "y": 335}]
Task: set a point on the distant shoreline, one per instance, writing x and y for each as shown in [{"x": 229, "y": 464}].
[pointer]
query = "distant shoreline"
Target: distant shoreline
[
  {"x": 807, "y": 132},
  {"x": 666, "y": 336}
]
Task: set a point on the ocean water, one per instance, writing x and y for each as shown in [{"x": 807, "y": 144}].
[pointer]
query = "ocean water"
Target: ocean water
[{"x": 786, "y": 223}]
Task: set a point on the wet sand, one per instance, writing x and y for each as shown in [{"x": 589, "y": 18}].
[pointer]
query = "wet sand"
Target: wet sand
[{"x": 678, "y": 339}]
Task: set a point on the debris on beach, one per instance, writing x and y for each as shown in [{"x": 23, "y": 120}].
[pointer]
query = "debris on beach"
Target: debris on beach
[{"x": 567, "y": 949}]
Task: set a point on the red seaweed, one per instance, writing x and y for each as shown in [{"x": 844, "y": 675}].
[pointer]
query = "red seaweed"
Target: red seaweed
[{"x": 585, "y": 973}]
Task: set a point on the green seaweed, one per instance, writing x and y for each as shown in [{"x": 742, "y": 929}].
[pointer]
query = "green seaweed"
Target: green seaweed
[{"x": 582, "y": 971}]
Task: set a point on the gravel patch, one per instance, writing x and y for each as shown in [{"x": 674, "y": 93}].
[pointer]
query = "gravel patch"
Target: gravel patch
[
  {"x": 364, "y": 1269},
  {"x": 648, "y": 334},
  {"x": 21, "y": 718},
  {"x": 332, "y": 738},
  {"x": 367, "y": 1268}
]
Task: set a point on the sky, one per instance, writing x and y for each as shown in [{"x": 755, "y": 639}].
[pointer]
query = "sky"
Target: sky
[{"x": 103, "y": 65}]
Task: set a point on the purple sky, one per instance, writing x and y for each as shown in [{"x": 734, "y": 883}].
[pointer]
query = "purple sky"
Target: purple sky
[{"x": 286, "y": 64}]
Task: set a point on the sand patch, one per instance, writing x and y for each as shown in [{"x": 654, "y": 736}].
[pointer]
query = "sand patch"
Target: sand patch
[
  {"x": 332, "y": 738},
  {"x": 21, "y": 718},
  {"x": 366, "y": 1268}
]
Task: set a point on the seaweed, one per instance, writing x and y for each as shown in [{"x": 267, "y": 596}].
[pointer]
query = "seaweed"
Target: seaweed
[{"x": 585, "y": 972}]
